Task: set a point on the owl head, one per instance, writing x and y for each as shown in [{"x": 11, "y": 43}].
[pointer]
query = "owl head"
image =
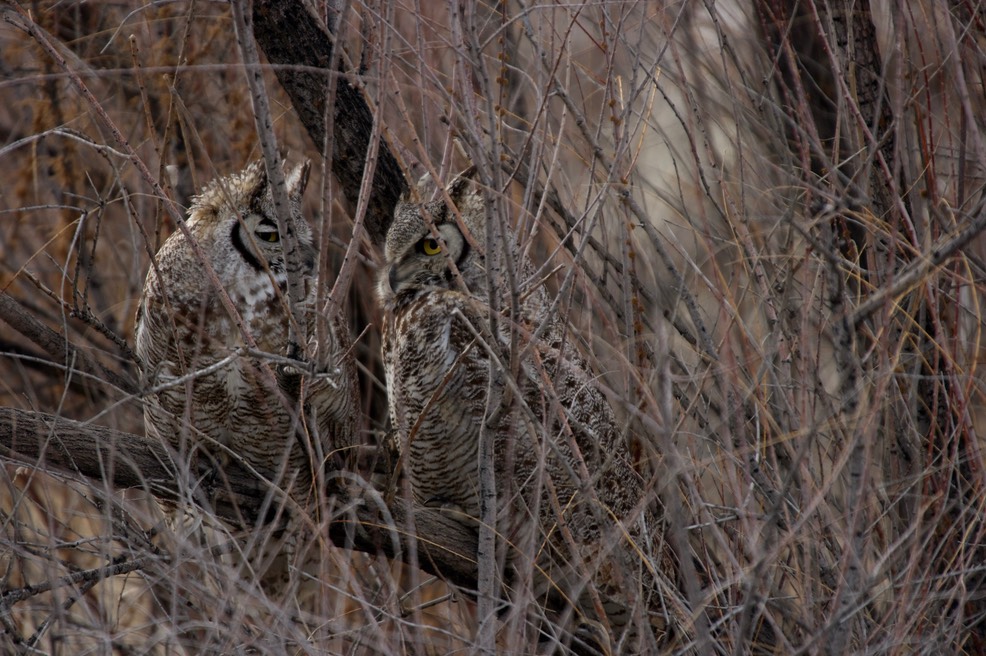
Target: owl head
[
  {"x": 425, "y": 240},
  {"x": 241, "y": 207}
]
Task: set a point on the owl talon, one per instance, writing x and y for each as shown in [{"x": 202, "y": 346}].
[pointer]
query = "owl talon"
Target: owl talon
[
  {"x": 289, "y": 376},
  {"x": 212, "y": 479},
  {"x": 440, "y": 503},
  {"x": 453, "y": 510}
]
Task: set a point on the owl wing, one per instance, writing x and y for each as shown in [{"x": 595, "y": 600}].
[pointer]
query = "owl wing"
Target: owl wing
[
  {"x": 438, "y": 378},
  {"x": 599, "y": 545}
]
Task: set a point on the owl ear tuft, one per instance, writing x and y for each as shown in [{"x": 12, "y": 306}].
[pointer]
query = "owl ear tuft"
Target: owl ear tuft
[
  {"x": 297, "y": 180},
  {"x": 424, "y": 188},
  {"x": 461, "y": 184},
  {"x": 465, "y": 192},
  {"x": 256, "y": 172}
]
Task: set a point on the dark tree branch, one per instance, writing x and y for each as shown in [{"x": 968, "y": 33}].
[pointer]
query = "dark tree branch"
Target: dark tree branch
[
  {"x": 300, "y": 49},
  {"x": 57, "y": 345},
  {"x": 123, "y": 460}
]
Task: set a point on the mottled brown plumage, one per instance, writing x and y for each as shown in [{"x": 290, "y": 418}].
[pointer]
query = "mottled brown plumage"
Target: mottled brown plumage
[
  {"x": 206, "y": 394},
  {"x": 569, "y": 503}
]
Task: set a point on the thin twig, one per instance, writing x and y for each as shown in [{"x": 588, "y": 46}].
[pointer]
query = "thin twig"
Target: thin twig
[{"x": 293, "y": 264}]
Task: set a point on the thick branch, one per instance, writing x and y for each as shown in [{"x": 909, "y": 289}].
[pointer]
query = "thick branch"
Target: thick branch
[
  {"x": 123, "y": 460},
  {"x": 300, "y": 50}
]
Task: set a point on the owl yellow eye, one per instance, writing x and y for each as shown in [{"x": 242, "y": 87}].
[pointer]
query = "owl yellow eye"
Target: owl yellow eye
[
  {"x": 430, "y": 246},
  {"x": 267, "y": 232}
]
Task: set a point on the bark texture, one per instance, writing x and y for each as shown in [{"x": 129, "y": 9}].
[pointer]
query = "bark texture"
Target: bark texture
[{"x": 301, "y": 52}]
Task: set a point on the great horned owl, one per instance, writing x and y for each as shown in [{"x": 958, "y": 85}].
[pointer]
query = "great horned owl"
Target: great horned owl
[
  {"x": 569, "y": 503},
  {"x": 210, "y": 395}
]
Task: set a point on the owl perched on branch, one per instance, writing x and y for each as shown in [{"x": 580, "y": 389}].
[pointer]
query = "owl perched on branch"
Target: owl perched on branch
[
  {"x": 570, "y": 509},
  {"x": 278, "y": 397}
]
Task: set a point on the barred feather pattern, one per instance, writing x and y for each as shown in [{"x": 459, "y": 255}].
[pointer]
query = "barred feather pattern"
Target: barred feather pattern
[
  {"x": 570, "y": 505},
  {"x": 207, "y": 394}
]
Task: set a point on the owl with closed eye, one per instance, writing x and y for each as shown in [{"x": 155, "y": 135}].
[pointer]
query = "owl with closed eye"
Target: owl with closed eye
[
  {"x": 569, "y": 503},
  {"x": 217, "y": 386}
]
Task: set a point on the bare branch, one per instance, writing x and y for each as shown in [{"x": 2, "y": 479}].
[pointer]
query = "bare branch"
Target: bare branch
[
  {"x": 122, "y": 460},
  {"x": 268, "y": 144},
  {"x": 57, "y": 346}
]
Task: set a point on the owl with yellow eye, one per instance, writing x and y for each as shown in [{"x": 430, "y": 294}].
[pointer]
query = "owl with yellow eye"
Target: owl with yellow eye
[{"x": 569, "y": 507}]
